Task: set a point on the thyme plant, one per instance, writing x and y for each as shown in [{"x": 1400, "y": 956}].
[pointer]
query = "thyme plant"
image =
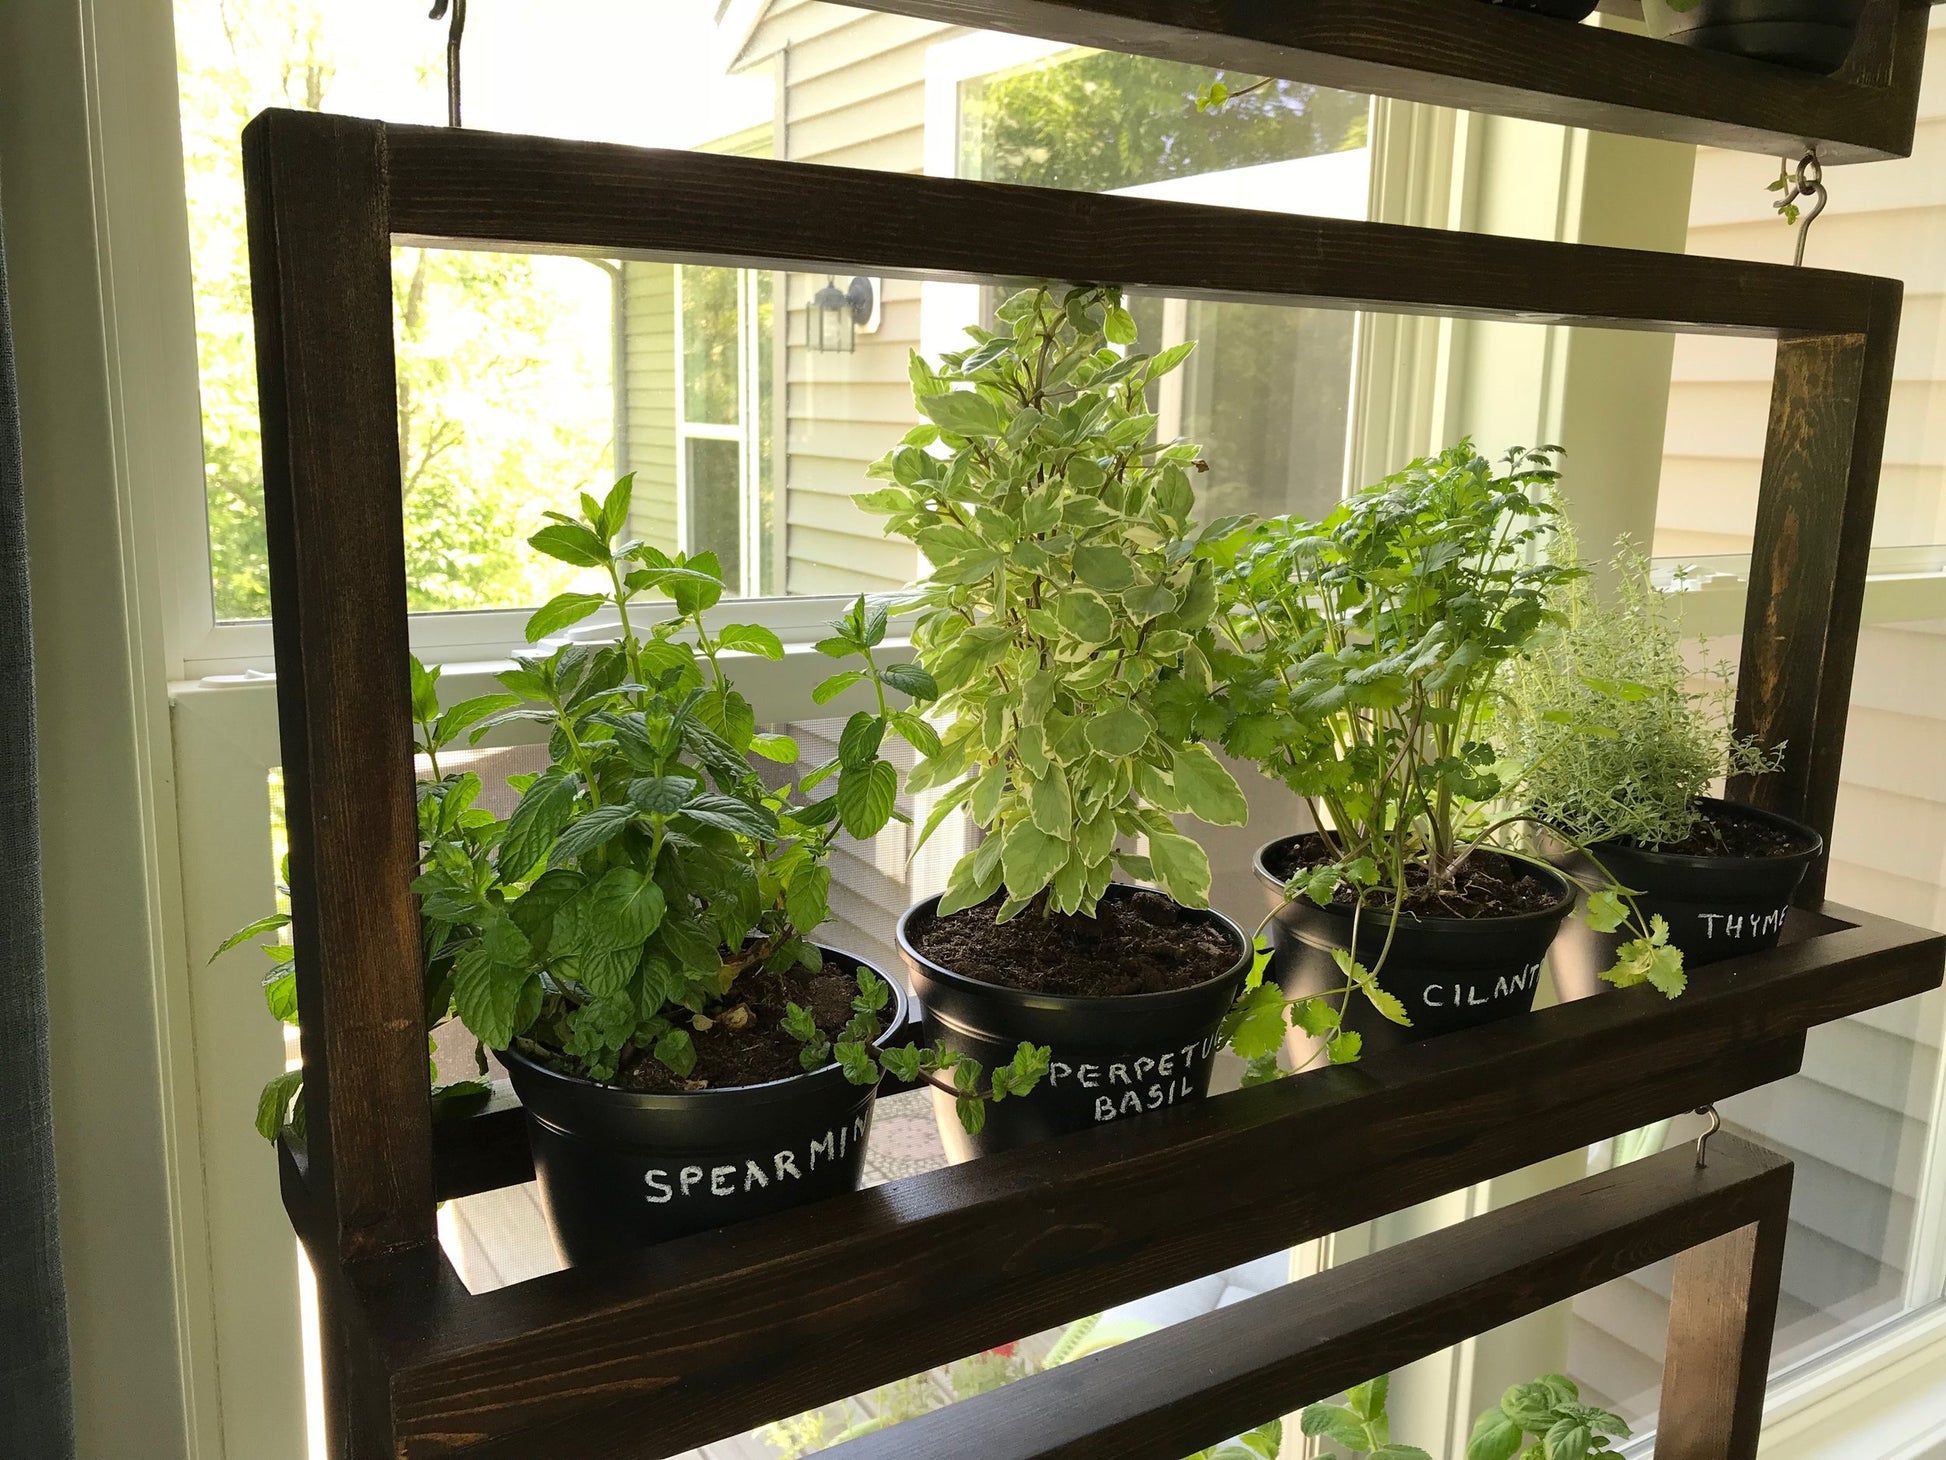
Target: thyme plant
[
  {"x": 1618, "y": 744},
  {"x": 1065, "y": 621}
]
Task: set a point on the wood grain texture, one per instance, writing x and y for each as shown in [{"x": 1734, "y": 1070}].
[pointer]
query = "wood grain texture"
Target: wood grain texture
[
  {"x": 712, "y": 1334},
  {"x": 1722, "y": 1311},
  {"x": 1493, "y": 59},
  {"x": 320, "y": 261},
  {"x": 1809, "y": 559},
  {"x": 503, "y": 191},
  {"x": 1199, "y": 1382}
]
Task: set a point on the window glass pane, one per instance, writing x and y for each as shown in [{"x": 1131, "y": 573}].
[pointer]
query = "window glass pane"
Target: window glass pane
[
  {"x": 507, "y": 392},
  {"x": 1098, "y": 121},
  {"x": 716, "y": 502},
  {"x": 710, "y": 344}
]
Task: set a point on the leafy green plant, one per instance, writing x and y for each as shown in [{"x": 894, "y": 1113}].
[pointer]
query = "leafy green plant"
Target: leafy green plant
[
  {"x": 1361, "y": 662},
  {"x": 648, "y": 872},
  {"x": 1619, "y": 747},
  {"x": 1548, "y": 1409},
  {"x": 1361, "y": 1425},
  {"x": 447, "y": 818},
  {"x": 1544, "y": 1420},
  {"x": 1065, "y": 621}
]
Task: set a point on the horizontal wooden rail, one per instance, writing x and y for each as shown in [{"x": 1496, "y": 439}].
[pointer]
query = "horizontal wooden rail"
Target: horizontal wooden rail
[
  {"x": 488, "y": 189},
  {"x": 1492, "y": 58},
  {"x": 1198, "y": 1382},
  {"x": 715, "y": 1333}
]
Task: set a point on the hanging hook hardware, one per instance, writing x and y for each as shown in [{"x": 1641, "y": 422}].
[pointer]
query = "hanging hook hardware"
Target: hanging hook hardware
[
  {"x": 455, "y": 30},
  {"x": 1702, "y": 1141},
  {"x": 1809, "y": 183}
]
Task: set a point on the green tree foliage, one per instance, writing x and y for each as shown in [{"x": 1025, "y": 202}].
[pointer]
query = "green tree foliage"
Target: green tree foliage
[
  {"x": 1104, "y": 121},
  {"x": 1065, "y": 621},
  {"x": 1601, "y": 710},
  {"x": 498, "y": 403}
]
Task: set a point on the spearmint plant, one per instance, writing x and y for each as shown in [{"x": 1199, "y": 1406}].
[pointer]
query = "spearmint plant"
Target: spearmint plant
[
  {"x": 447, "y": 818},
  {"x": 649, "y": 868},
  {"x": 1361, "y": 660},
  {"x": 1065, "y": 621}
]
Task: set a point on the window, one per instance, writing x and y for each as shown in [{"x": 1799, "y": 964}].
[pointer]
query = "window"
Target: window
[
  {"x": 509, "y": 393},
  {"x": 1268, "y": 391}
]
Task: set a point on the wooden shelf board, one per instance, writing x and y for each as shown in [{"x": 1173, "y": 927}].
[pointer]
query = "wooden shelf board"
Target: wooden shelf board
[
  {"x": 1490, "y": 58},
  {"x": 962, "y": 1259}
]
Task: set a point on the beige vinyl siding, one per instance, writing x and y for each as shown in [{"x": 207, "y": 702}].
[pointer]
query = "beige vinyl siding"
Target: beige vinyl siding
[
  {"x": 649, "y": 374},
  {"x": 1854, "y": 1120},
  {"x": 855, "y": 96}
]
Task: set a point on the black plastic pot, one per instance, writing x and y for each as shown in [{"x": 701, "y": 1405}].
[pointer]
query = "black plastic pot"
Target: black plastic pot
[
  {"x": 1112, "y": 1057},
  {"x": 620, "y": 1169},
  {"x": 1450, "y": 973},
  {"x": 1717, "y": 907},
  {"x": 1809, "y": 35},
  {"x": 1559, "y": 9}
]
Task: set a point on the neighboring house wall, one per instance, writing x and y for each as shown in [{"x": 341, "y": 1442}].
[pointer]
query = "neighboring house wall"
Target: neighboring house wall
[
  {"x": 650, "y": 378},
  {"x": 1854, "y": 1121},
  {"x": 854, "y": 95}
]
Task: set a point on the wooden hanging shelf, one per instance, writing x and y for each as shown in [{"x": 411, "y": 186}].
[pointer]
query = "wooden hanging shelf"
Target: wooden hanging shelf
[
  {"x": 713, "y": 1334},
  {"x": 705, "y": 1336},
  {"x": 1492, "y": 58}
]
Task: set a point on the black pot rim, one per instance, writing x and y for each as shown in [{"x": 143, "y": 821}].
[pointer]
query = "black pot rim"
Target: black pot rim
[
  {"x": 1703, "y": 861},
  {"x": 1022, "y": 999},
  {"x": 1564, "y": 902},
  {"x": 765, "y": 1092}
]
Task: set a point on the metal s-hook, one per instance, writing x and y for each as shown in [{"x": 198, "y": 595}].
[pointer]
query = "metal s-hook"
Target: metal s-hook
[
  {"x": 454, "y": 32},
  {"x": 1809, "y": 183},
  {"x": 1702, "y": 1141}
]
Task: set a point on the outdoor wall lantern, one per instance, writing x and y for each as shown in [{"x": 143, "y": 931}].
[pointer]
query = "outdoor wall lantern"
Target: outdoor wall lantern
[{"x": 836, "y": 314}]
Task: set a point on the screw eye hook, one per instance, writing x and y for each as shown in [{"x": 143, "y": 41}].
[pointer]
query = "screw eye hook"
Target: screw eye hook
[
  {"x": 1702, "y": 1141},
  {"x": 1809, "y": 183}
]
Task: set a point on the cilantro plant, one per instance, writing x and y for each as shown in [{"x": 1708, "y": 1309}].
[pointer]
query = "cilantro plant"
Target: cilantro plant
[
  {"x": 1066, "y": 618},
  {"x": 1361, "y": 661},
  {"x": 1619, "y": 747}
]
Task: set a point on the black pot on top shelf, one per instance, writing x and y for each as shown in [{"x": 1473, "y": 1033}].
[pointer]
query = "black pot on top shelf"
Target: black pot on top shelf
[
  {"x": 1112, "y": 1057},
  {"x": 1451, "y": 973},
  {"x": 1557, "y": 9},
  {"x": 1806, "y": 35},
  {"x": 620, "y": 1169},
  {"x": 1717, "y": 906}
]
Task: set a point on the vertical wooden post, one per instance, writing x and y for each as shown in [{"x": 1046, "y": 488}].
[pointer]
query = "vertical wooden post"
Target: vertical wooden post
[
  {"x": 320, "y": 248},
  {"x": 1722, "y": 1310},
  {"x": 1813, "y": 539}
]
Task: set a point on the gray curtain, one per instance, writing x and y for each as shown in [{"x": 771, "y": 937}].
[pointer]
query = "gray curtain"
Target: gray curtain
[{"x": 36, "y": 1403}]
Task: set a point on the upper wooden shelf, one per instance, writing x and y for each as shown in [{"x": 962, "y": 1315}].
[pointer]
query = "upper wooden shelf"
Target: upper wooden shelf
[{"x": 1481, "y": 57}]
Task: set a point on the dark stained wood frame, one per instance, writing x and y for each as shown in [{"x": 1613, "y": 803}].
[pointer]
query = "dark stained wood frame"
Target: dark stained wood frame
[
  {"x": 1198, "y": 1382},
  {"x": 712, "y": 1334},
  {"x": 1492, "y": 58}
]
